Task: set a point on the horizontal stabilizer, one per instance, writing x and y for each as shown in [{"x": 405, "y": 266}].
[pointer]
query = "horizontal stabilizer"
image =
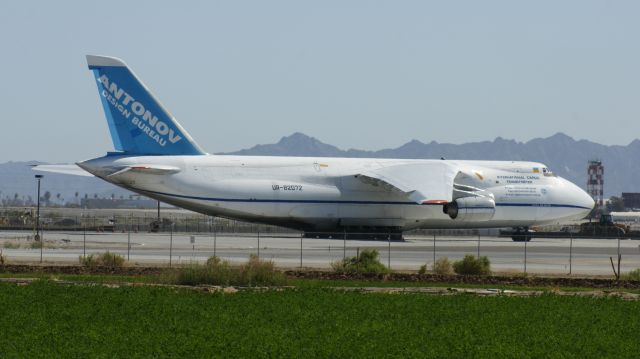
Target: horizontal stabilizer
[
  {"x": 149, "y": 169},
  {"x": 73, "y": 170}
]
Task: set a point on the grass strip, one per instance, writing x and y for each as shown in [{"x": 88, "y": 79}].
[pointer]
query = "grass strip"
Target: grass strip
[{"x": 47, "y": 320}]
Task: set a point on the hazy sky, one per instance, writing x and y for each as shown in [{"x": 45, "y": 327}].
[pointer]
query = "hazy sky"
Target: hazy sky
[{"x": 361, "y": 74}]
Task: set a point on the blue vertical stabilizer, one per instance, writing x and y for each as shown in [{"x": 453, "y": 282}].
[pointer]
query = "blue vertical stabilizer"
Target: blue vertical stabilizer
[{"x": 137, "y": 121}]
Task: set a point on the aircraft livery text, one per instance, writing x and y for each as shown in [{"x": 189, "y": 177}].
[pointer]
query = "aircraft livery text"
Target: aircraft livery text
[{"x": 142, "y": 118}]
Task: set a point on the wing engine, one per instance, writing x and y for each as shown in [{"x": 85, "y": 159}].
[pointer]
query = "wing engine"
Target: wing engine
[
  {"x": 437, "y": 183},
  {"x": 470, "y": 204}
]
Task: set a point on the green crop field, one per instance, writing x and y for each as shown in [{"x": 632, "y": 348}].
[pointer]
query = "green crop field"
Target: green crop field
[{"x": 49, "y": 320}]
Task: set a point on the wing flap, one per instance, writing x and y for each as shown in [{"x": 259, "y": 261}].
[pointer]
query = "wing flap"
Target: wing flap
[{"x": 423, "y": 183}]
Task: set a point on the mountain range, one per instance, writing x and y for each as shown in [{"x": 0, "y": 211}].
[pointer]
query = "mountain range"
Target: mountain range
[{"x": 561, "y": 153}]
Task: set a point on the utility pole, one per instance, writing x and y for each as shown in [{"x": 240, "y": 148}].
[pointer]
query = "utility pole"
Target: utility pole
[
  {"x": 38, "y": 236},
  {"x": 38, "y": 178}
]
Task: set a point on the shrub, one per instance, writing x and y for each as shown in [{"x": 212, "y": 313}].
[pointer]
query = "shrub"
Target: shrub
[
  {"x": 423, "y": 269},
  {"x": 88, "y": 261},
  {"x": 366, "y": 262},
  {"x": 442, "y": 266},
  {"x": 214, "y": 261},
  {"x": 111, "y": 259},
  {"x": 470, "y": 265},
  {"x": 259, "y": 272},
  {"x": 215, "y": 272},
  {"x": 3, "y": 259},
  {"x": 106, "y": 259},
  {"x": 219, "y": 272},
  {"x": 633, "y": 275},
  {"x": 11, "y": 245},
  {"x": 36, "y": 244}
]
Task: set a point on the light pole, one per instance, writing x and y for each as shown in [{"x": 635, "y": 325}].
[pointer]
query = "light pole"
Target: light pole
[
  {"x": 38, "y": 178},
  {"x": 38, "y": 236}
]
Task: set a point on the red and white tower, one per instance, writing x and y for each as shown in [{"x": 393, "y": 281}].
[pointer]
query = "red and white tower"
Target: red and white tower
[{"x": 595, "y": 184}]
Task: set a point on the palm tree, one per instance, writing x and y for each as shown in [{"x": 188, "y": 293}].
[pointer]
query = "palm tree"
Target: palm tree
[{"x": 47, "y": 197}]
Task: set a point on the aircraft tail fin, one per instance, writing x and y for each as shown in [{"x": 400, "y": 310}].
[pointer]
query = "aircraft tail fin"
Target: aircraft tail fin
[{"x": 138, "y": 122}]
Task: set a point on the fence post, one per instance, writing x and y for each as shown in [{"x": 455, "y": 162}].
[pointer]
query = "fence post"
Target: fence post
[
  {"x": 619, "y": 255},
  {"x": 301, "y": 236},
  {"x": 570, "y": 252},
  {"x": 128, "y": 237},
  {"x": 258, "y": 243},
  {"x": 434, "y": 248},
  {"x": 41, "y": 241},
  {"x": 389, "y": 251},
  {"x": 478, "y": 245},
  {"x": 84, "y": 240},
  {"x": 344, "y": 245},
  {"x": 215, "y": 235},
  {"x": 525, "y": 255},
  {"x": 170, "y": 243}
]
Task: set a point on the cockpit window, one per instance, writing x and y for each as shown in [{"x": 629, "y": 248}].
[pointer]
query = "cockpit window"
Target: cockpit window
[{"x": 547, "y": 173}]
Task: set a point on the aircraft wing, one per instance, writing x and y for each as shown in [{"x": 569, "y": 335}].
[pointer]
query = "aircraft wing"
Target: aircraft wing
[
  {"x": 63, "y": 169},
  {"x": 424, "y": 183}
]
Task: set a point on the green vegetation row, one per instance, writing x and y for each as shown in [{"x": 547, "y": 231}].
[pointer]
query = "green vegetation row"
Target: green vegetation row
[
  {"x": 90, "y": 321},
  {"x": 257, "y": 272},
  {"x": 262, "y": 272}
]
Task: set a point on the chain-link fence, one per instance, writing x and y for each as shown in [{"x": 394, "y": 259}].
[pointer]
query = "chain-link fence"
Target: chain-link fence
[
  {"x": 184, "y": 239},
  {"x": 181, "y": 236}
]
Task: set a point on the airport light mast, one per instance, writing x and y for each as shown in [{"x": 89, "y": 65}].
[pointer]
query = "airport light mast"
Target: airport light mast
[
  {"x": 38, "y": 235},
  {"x": 38, "y": 178}
]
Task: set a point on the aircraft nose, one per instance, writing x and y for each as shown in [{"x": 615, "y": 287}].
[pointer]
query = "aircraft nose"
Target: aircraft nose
[
  {"x": 586, "y": 200},
  {"x": 579, "y": 198}
]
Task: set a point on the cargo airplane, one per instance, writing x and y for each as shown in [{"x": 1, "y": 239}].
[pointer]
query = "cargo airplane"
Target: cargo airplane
[{"x": 156, "y": 157}]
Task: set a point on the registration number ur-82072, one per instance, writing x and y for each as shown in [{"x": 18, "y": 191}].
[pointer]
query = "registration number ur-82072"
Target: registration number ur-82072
[{"x": 286, "y": 187}]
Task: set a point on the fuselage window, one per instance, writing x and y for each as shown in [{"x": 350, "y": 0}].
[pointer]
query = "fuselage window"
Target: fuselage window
[{"x": 546, "y": 172}]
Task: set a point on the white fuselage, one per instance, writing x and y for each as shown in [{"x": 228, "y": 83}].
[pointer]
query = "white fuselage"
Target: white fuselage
[{"x": 325, "y": 194}]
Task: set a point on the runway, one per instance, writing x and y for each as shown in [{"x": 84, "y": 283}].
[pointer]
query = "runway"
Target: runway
[{"x": 548, "y": 255}]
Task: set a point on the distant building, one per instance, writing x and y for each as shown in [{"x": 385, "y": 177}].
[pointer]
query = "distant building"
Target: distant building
[
  {"x": 631, "y": 200},
  {"x": 142, "y": 203}
]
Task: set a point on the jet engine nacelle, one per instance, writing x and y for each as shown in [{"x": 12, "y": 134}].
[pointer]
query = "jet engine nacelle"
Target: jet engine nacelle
[{"x": 471, "y": 209}]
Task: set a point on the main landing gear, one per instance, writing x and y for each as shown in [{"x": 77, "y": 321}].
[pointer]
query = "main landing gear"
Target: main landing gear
[
  {"x": 361, "y": 233},
  {"x": 521, "y": 234}
]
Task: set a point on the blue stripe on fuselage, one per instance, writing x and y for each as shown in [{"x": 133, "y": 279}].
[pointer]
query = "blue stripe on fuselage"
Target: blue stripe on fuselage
[{"x": 317, "y": 201}]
